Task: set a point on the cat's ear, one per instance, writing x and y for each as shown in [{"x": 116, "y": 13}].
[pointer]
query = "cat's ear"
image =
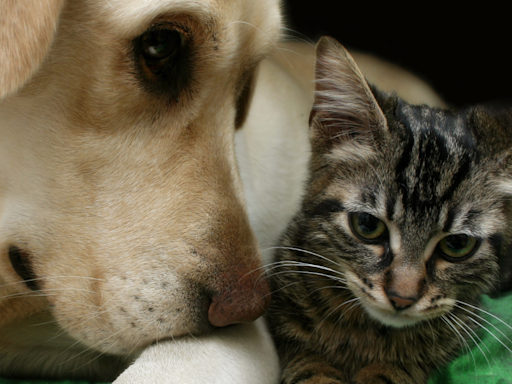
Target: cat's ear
[
  {"x": 491, "y": 125},
  {"x": 345, "y": 111}
]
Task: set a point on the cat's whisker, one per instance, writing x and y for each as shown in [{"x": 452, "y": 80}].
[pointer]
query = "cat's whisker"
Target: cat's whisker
[
  {"x": 355, "y": 303},
  {"x": 464, "y": 344},
  {"x": 321, "y": 288},
  {"x": 262, "y": 275},
  {"x": 472, "y": 336},
  {"x": 471, "y": 314},
  {"x": 282, "y": 288},
  {"x": 485, "y": 345},
  {"x": 293, "y": 263},
  {"x": 484, "y": 311},
  {"x": 462, "y": 340},
  {"x": 434, "y": 339},
  {"x": 334, "y": 310},
  {"x": 305, "y": 251},
  {"x": 492, "y": 334},
  {"x": 274, "y": 265},
  {"x": 343, "y": 281}
]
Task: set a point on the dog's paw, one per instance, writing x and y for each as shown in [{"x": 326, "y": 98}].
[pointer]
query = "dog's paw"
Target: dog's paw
[{"x": 241, "y": 354}]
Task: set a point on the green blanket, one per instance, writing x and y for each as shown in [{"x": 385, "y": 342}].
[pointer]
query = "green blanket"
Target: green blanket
[
  {"x": 493, "y": 368},
  {"x": 496, "y": 366}
]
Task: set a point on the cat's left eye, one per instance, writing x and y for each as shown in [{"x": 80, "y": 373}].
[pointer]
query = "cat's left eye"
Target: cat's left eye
[
  {"x": 366, "y": 226},
  {"x": 458, "y": 247}
]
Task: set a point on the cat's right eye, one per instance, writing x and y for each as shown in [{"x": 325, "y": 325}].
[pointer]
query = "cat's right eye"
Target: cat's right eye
[{"x": 367, "y": 227}]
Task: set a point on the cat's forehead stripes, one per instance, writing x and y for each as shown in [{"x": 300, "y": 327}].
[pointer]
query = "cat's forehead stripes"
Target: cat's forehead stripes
[{"x": 435, "y": 158}]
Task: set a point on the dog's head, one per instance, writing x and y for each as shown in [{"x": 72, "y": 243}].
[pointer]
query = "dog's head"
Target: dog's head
[{"x": 120, "y": 199}]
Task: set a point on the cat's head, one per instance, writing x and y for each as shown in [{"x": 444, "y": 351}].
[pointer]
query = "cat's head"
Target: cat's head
[{"x": 413, "y": 201}]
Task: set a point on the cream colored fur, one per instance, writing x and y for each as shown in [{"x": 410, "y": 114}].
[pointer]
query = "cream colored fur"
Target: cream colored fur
[
  {"x": 132, "y": 213},
  {"x": 128, "y": 207}
]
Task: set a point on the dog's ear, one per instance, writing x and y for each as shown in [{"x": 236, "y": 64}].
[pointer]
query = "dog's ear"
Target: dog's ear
[
  {"x": 27, "y": 28},
  {"x": 246, "y": 90}
]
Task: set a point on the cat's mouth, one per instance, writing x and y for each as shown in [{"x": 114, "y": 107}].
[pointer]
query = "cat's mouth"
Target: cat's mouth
[
  {"x": 396, "y": 319},
  {"x": 385, "y": 314},
  {"x": 378, "y": 306}
]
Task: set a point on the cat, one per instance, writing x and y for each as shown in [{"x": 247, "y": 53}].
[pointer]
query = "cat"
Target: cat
[{"x": 405, "y": 222}]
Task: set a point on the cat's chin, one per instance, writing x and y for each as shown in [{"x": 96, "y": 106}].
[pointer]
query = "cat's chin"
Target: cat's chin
[{"x": 391, "y": 320}]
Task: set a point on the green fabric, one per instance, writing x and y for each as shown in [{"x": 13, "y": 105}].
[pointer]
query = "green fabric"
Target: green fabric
[
  {"x": 467, "y": 369},
  {"x": 474, "y": 367}
]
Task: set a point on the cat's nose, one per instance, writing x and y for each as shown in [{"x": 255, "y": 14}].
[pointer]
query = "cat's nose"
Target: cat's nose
[{"x": 399, "y": 302}]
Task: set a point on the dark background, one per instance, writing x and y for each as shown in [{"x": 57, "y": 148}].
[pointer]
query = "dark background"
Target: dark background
[{"x": 465, "y": 53}]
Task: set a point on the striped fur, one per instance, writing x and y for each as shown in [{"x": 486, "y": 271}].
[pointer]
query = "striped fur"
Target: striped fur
[{"x": 350, "y": 310}]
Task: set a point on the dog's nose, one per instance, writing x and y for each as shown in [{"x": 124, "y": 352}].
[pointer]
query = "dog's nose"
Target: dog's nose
[{"x": 244, "y": 302}]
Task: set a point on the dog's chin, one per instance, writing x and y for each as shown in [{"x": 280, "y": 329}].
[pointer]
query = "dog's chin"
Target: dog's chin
[
  {"x": 119, "y": 327},
  {"x": 125, "y": 340}
]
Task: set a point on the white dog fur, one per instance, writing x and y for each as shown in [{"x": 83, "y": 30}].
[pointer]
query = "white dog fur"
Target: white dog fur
[{"x": 127, "y": 204}]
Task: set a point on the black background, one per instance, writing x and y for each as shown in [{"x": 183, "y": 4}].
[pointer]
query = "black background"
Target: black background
[{"x": 465, "y": 53}]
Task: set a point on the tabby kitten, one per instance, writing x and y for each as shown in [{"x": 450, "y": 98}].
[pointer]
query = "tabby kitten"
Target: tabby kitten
[{"x": 404, "y": 224}]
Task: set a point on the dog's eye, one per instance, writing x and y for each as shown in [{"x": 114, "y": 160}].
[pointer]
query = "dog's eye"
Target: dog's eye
[
  {"x": 161, "y": 44},
  {"x": 160, "y": 48},
  {"x": 163, "y": 57}
]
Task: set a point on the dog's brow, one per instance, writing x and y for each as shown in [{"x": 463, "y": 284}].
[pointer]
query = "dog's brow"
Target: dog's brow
[{"x": 129, "y": 16}]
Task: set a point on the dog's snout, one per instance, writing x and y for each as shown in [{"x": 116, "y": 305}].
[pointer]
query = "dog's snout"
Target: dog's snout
[{"x": 245, "y": 301}]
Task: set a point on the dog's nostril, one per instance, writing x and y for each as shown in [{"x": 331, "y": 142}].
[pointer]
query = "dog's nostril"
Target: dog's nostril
[{"x": 20, "y": 261}]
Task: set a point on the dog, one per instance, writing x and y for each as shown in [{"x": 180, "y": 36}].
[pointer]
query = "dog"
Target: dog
[{"x": 123, "y": 221}]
